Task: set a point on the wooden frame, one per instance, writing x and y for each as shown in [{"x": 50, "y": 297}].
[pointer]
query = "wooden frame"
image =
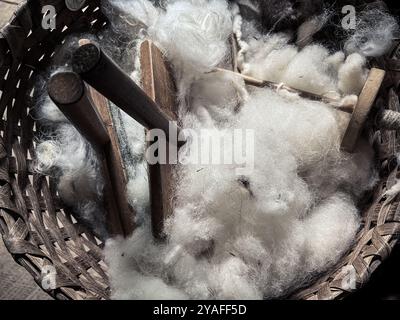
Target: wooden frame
[{"x": 158, "y": 83}]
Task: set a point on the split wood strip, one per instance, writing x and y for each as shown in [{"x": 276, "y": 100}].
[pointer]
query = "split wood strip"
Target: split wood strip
[
  {"x": 119, "y": 179},
  {"x": 362, "y": 109},
  {"x": 70, "y": 94},
  {"x": 158, "y": 83},
  {"x": 234, "y": 52}
]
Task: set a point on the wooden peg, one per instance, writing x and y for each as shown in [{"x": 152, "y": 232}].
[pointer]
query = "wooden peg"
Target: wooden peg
[
  {"x": 362, "y": 109},
  {"x": 104, "y": 75},
  {"x": 69, "y": 93},
  {"x": 159, "y": 85}
]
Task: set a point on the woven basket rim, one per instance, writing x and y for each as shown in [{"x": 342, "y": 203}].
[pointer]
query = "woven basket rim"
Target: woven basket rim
[{"x": 40, "y": 233}]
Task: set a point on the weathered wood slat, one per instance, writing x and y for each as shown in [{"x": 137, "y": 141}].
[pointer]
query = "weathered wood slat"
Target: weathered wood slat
[
  {"x": 362, "y": 109},
  {"x": 70, "y": 94},
  {"x": 115, "y": 162},
  {"x": 158, "y": 83}
]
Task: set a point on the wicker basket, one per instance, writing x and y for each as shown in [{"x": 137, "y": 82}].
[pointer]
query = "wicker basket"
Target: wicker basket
[{"x": 39, "y": 232}]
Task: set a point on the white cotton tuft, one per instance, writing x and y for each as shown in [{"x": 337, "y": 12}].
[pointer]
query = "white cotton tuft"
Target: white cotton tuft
[
  {"x": 352, "y": 74},
  {"x": 193, "y": 35},
  {"x": 232, "y": 281},
  {"x": 48, "y": 113},
  {"x": 205, "y": 94},
  {"x": 374, "y": 35},
  {"x": 394, "y": 190},
  {"x": 140, "y": 253},
  {"x": 330, "y": 228},
  {"x": 311, "y": 69},
  {"x": 67, "y": 157},
  {"x": 268, "y": 58},
  {"x": 143, "y": 10}
]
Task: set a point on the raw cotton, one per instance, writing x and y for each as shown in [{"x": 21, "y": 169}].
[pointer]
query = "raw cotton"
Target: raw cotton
[
  {"x": 311, "y": 69},
  {"x": 274, "y": 227},
  {"x": 63, "y": 154},
  {"x": 375, "y": 33}
]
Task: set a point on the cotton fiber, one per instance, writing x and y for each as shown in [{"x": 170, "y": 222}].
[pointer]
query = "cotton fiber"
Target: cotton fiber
[
  {"x": 67, "y": 157},
  {"x": 311, "y": 69},
  {"x": 236, "y": 232},
  {"x": 375, "y": 33}
]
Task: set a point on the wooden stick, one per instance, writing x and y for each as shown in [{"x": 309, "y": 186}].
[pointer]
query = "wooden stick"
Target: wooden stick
[
  {"x": 334, "y": 102},
  {"x": 69, "y": 93},
  {"x": 119, "y": 179},
  {"x": 159, "y": 85},
  {"x": 103, "y": 74},
  {"x": 362, "y": 109},
  {"x": 234, "y": 52}
]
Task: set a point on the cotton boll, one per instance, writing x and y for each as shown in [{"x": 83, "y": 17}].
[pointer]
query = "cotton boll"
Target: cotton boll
[
  {"x": 374, "y": 34},
  {"x": 352, "y": 75},
  {"x": 330, "y": 230}
]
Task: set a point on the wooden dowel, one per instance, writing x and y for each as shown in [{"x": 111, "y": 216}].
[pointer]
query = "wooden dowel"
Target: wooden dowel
[
  {"x": 334, "y": 102},
  {"x": 69, "y": 93},
  {"x": 103, "y": 74},
  {"x": 361, "y": 111}
]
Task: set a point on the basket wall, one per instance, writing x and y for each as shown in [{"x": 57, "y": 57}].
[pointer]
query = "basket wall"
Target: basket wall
[{"x": 41, "y": 234}]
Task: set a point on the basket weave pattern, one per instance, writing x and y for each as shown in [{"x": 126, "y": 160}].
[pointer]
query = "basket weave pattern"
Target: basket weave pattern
[{"x": 40, "y": 232}]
